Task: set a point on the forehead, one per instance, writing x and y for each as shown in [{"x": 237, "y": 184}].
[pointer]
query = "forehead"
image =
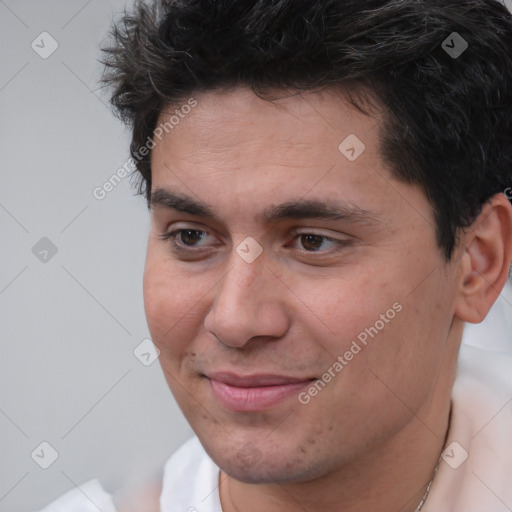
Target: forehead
[
  {"x": 305, "y": 123},
  {"x": 236, "y": 131},
  {"x": 243, "y": 155}
]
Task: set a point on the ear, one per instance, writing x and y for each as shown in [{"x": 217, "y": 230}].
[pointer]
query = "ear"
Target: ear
[{"x": 485, "y": 252}]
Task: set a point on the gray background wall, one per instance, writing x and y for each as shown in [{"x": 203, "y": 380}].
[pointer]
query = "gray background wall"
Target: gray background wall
[{"x": 70, "y": 321}]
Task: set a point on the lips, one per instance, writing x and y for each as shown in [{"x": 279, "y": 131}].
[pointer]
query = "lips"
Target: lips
[{"x": 254, "y": 393}]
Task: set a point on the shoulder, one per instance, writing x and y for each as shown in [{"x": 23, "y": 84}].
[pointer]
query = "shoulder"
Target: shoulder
[
  {"x": 187, "y": 456},
  {"x": 88, "y": 497},
  {"x": 487, "y": 372},
  {"x": 474, "y": 473},
  {"x": 190, "y": 480},
  {"x": 481, "y": 399}
]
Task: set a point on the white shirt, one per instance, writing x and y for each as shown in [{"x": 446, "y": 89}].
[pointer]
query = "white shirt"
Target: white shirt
[{"x": 475, "y": 474}]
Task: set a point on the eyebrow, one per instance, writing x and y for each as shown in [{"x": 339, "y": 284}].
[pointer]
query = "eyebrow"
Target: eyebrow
[{"x": 300, "y": 209}]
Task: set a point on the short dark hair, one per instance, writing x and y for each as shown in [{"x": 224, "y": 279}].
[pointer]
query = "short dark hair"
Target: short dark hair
[{"x": 447, "y": 124}]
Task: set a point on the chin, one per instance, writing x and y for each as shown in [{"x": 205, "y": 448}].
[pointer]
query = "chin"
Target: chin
[{"x": 270, "y": 465}]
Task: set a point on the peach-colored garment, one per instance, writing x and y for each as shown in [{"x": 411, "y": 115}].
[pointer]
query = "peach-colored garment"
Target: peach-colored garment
[{"x": 482, "y": 426}]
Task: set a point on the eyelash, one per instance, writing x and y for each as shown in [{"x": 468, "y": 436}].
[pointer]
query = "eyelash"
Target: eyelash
[
  {"x": 184, "y": 249},
  {"x": 171, "y": 237}
]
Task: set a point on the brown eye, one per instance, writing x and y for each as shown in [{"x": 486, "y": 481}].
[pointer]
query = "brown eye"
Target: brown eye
[
  {"x": 312, "y": 242},
  {"x": 191, "y": 236}
]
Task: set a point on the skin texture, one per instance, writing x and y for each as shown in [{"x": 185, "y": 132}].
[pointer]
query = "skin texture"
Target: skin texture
[{"x": 370, "y": 440}]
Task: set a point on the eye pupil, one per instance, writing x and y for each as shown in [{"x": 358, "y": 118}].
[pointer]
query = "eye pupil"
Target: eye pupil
[
  {"x": 191, "y": 236},
  {"x": 312, "y": 242}
]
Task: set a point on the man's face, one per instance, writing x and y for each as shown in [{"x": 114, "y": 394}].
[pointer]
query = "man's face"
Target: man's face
[{"x": 349, "y": 273}]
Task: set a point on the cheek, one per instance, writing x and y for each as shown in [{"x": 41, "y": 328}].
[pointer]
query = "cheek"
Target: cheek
[
  {"x": 338, "y": 309},
  {"x": 368, "y": 319},
  {"x": 173, "y": 307}
]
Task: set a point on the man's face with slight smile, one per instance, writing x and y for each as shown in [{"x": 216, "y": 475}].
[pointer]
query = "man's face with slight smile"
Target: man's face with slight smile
[{"x": 294, "y": 253}]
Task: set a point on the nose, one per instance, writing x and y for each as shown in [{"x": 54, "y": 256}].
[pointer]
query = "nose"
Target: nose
[{"x": 248, "y": 304}]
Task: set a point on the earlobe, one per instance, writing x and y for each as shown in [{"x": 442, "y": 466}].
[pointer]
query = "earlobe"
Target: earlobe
[{"x": 486, "y": 249}]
